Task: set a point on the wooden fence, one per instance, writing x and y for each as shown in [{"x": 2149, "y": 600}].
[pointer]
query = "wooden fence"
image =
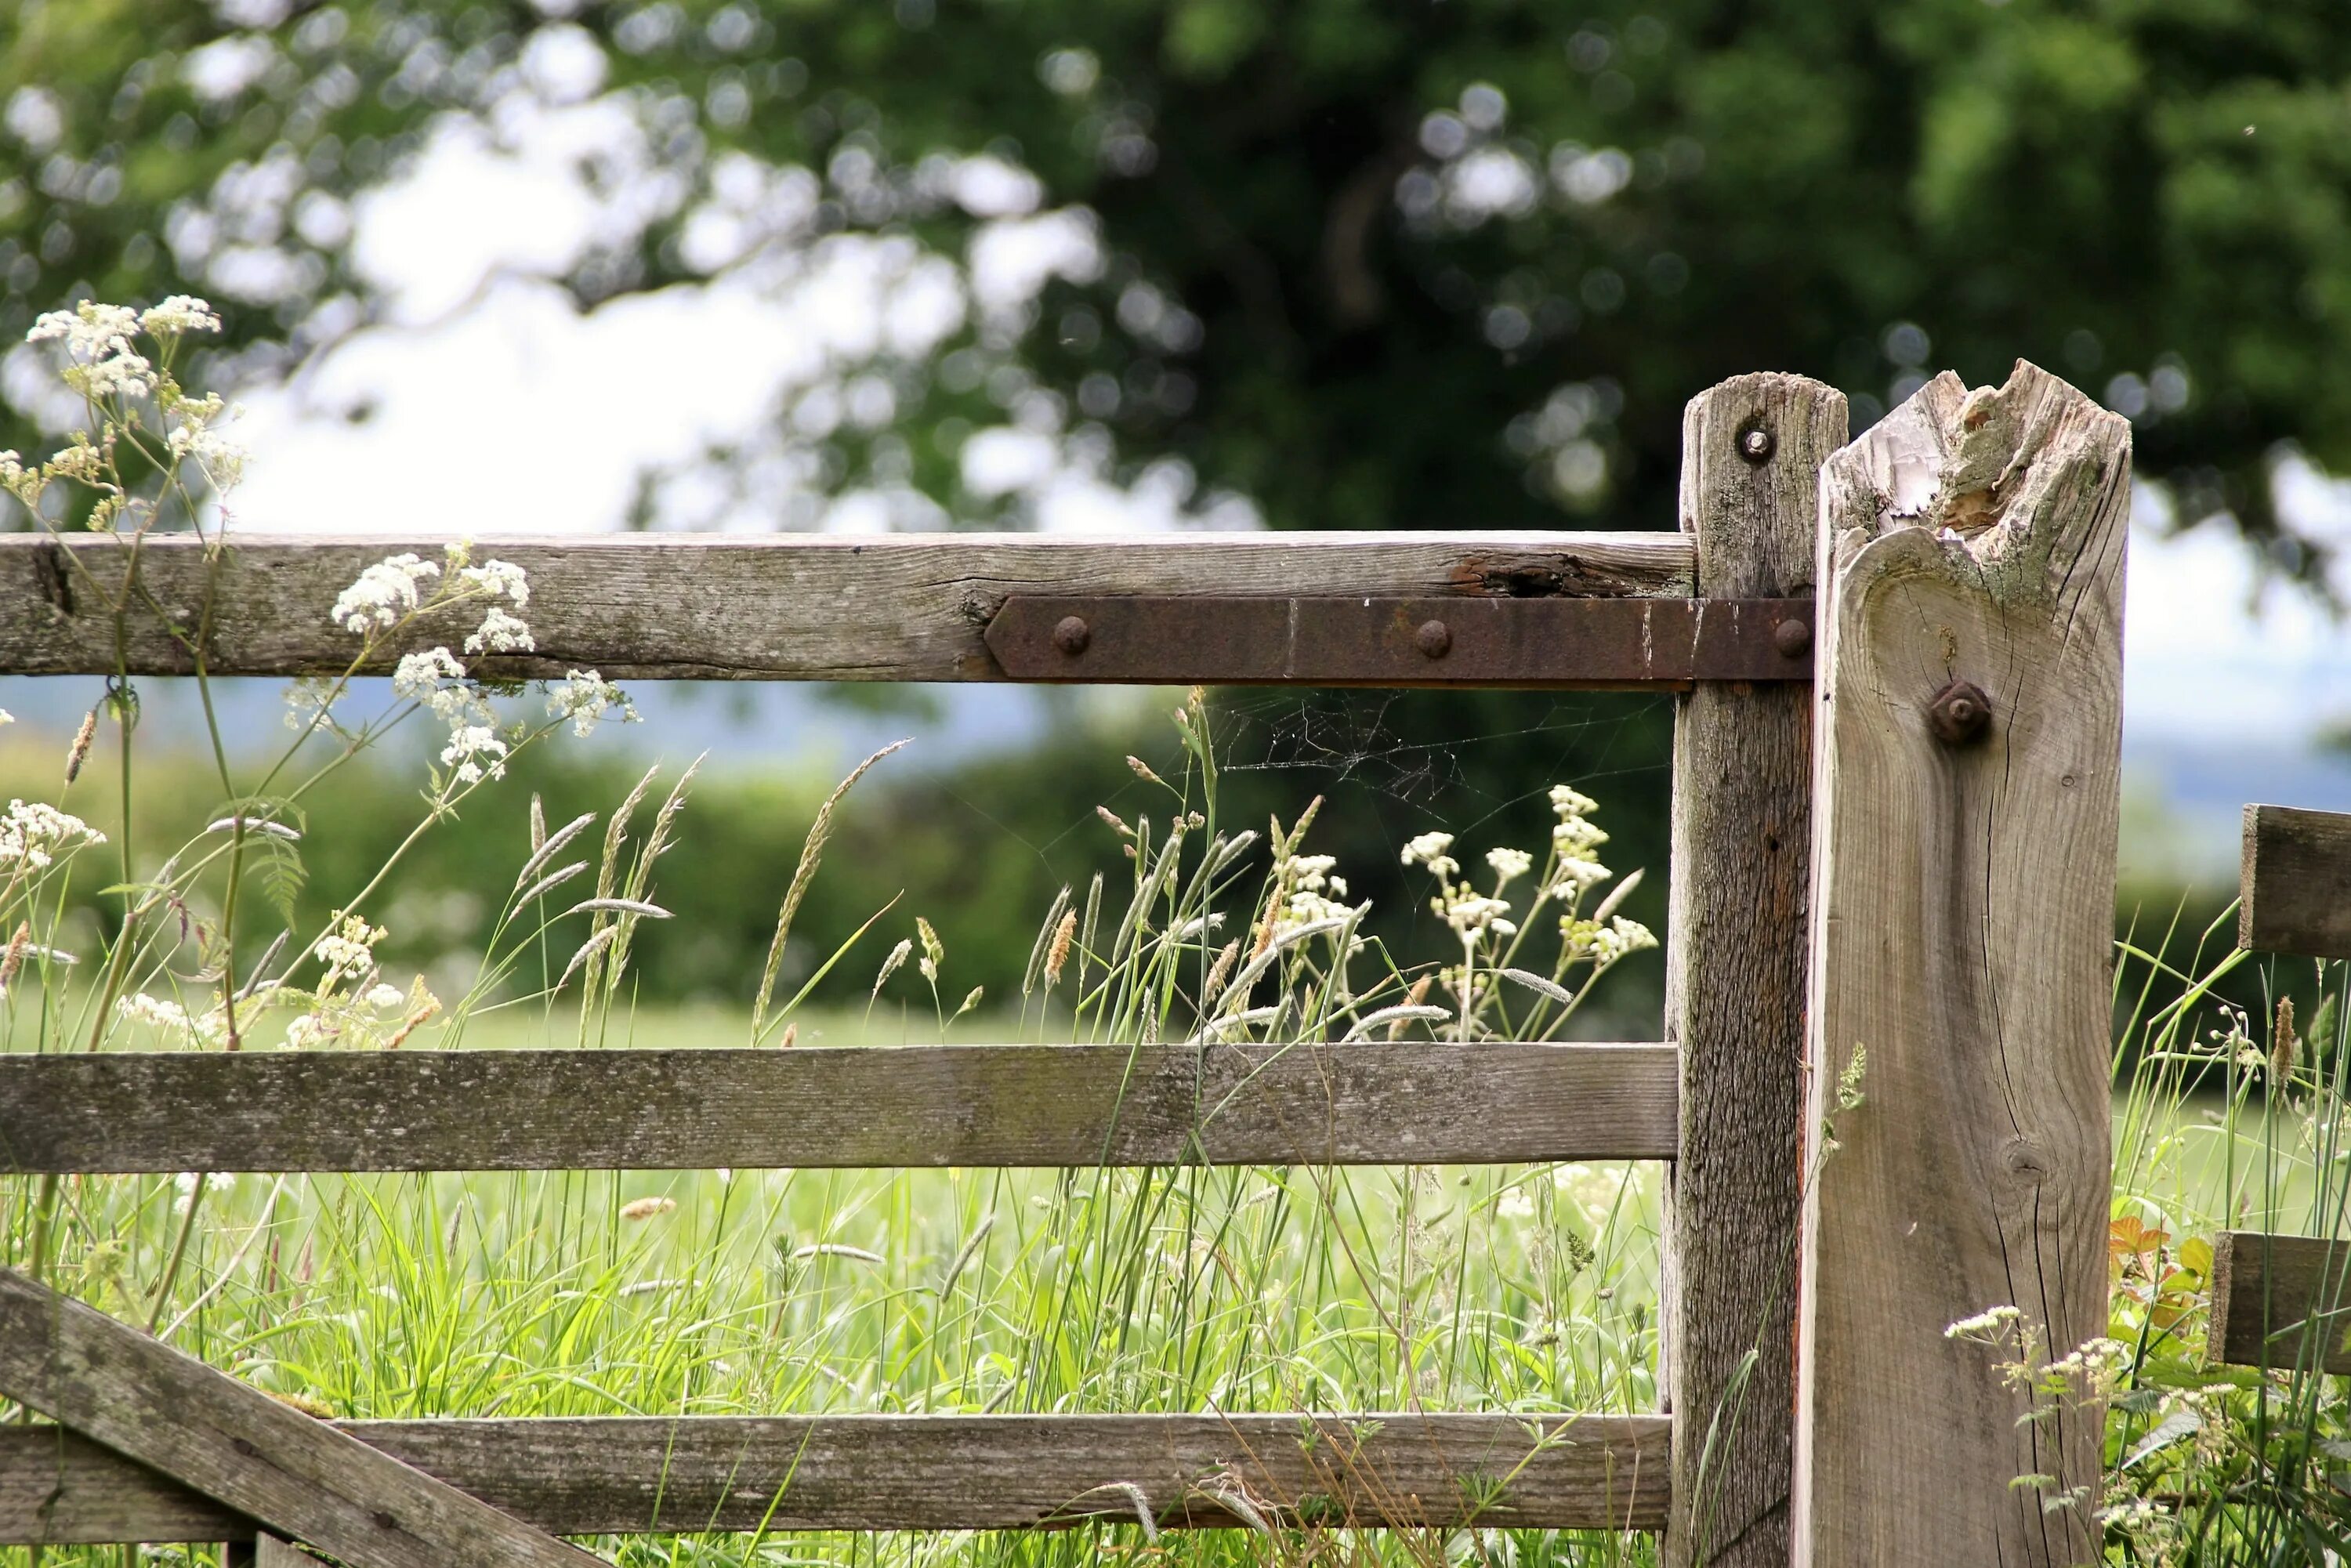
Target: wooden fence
[
  {"x": 2284, "y": 1302},
  {"x": 1881, "y": 1084}
]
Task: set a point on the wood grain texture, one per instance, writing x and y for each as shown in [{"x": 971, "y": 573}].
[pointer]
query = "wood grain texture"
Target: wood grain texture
[
  {"x": 1366, "y": 1102},
  {"x": 2280, "y": 1302},
  {"x": 2295, "y": 883},
  {"x": 721, "y": 607},
  {"x": 1962, "y": 916},
  {"x": 1735, "y": 981},
  {"x": 624, "y": 1475},
  {"x": 229, "y": 1441}
]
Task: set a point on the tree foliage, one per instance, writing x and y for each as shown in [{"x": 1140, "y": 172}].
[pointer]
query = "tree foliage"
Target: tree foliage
[{"x": 1369, "y": 264}]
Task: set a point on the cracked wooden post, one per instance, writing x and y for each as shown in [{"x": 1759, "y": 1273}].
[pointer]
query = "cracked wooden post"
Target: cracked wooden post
[
  {"x": 1751, "y": 453},
  {"x": 1965, "y": 813}
]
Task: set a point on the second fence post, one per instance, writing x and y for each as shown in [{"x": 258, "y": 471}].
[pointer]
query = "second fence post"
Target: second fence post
[
  {"x": 1751, "y": 454},
  {"x": 1962, "y": 917}
]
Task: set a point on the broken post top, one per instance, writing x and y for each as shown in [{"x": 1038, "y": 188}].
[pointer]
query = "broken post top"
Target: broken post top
[{"x": 1994, "y": 476}]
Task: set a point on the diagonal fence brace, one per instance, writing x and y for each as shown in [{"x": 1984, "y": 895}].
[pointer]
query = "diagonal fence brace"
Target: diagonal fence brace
[{"x": 300, "y": 1477}]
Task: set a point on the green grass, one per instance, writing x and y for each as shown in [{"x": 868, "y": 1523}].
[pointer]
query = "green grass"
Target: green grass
[{"x": 770, "y": 1291}]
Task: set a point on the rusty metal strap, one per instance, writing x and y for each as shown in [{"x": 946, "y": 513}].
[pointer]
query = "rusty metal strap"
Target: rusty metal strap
[{"x": 1562, "y": 643}]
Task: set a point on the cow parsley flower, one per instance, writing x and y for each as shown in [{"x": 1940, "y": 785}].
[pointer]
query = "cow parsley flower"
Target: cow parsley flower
[
  {"x": 90, "y": 330},
  {"x": 583, "y": 696},
  {"x": 501, "y": 633},
  {"x": 348, "y": 948},
  {"x": 221, "y": 460},
  {"x": 497, "y": 579},
  {"x": 25, "y": 484},
  {"x": 1509, "y": 866},
  {"x": 81, "y": 461},
  {"x": 384, "y": 593},
  {"x": 1470, "y": 914},
  {"x": 475, "y": 752},
  {"x": 32, "y": 835},
  {"x": 1429, "y": 849},
  {"x": 180, "y": 313}
]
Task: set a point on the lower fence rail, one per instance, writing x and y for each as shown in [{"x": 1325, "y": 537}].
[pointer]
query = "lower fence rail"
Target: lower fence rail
[
  {"x": 1360, "y": 1102},
  {"x": 609, "y": 1476}
]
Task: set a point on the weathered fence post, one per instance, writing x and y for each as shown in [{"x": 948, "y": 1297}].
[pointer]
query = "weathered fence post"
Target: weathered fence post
[
  {"x": 1962, "y": 910},
  {"x": 1751, "y": 452}
]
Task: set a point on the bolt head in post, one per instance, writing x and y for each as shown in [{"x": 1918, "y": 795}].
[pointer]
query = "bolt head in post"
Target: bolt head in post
[
  {"x": 1960, "y": 713},
  {"x": 1071, "y": 634},
  {"x": 1756, "y": 445},
  {"x": 1792, "y": 638},
  {"x": 1434, "y": 639}
]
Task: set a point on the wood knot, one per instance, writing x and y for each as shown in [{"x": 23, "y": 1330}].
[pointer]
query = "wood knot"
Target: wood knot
[{"x": 2023, "y": 1157}]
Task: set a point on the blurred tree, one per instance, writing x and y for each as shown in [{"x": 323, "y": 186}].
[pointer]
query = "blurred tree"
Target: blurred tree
[{"x": 1366, "y": 263}]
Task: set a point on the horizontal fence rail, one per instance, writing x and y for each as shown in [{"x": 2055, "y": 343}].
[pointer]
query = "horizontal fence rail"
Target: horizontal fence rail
[
  {"x": 2280, "y": 1302},
  {"x": 587, "y": 1476},
  {"x": 778, "y": 607},
  {"x": 2294, "y": 882},
  {"x": 1361, "y": 1103}
]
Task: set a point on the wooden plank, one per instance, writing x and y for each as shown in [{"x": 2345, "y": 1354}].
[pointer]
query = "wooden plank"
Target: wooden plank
[
  {"x": 623, "y": 1475},
  {"x": 1366, "y": 1102},
  {"x": 1556, "y": 644},
  {"x": 2280, "y": 1302},
  {"x": 722, "y": 607},
  {"x": 1962, "y": 916},
  {"x": 2295, "y": 883},
  {"x": 228, "y": 1441},
  {"x": 1735, "y": 981}
]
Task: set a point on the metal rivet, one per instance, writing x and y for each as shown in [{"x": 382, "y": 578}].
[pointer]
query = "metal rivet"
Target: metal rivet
[
  {"x": 1434, "y": 639},
  {"x": 1792, "y": 637},
  {"x": 1071, "y": 635},
  {"x": 1756, "y": 444},
  {"x": 1960, "y": 713}
]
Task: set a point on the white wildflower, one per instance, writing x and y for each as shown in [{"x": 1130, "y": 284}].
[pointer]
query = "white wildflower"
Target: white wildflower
[
  {"x": 1429, "y": 849},
  {"x": 1989, "y": 1322},
  {"x": 384, "y": 593},
  {"x": 475, "y": 752},
  {"x": 117, "y": 375},
  {"x": 25, "y": 484},
  {"x": 310, "y": 701},
  {"x": 221, "y": 460},
  {"x": 1574, "y": 835},
  {"x": 80, "y": 462},
  {"x": 1576, "y": 876},
  {"x": 180, "y": 313},
  {"x": 584, "y": 697},
  {"x": 497, "y": 579},
  {"x": 1470, "y": 914},
  {"x": 159, "y": 1011},
  {"x": 419, "y": 677},
  {"x": 32, "y": 835},
  {"x": 90, "y": 330},
  {"x": 501, "y": 633},
  {"x": 1618, "y": 937},
  {"x": 384, "y": 998},
  {"x": 348, "y": 948},
  {"x": 303, "y": 1030},
  {"x": 7, "y": 717},
  {"x": 1509, "y": 866},
  {"x": 1516, "y": 1204},
  {"x": 1310, "y": 872},
  {"x": 1570, "y": 802}
]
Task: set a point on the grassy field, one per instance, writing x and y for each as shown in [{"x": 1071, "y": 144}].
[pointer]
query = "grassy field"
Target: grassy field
[{"x": 768, "y": 1291}]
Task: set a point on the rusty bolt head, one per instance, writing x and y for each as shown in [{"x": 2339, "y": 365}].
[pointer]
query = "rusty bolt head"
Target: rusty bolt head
[
  {"x": 1960, "y": 713},
  {"x": 1434, "y": 639},
  {"x": 1756, "y": 444},
  {"x": 1792, "y": 637},
  {"x": 1071, "y": 634}
]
